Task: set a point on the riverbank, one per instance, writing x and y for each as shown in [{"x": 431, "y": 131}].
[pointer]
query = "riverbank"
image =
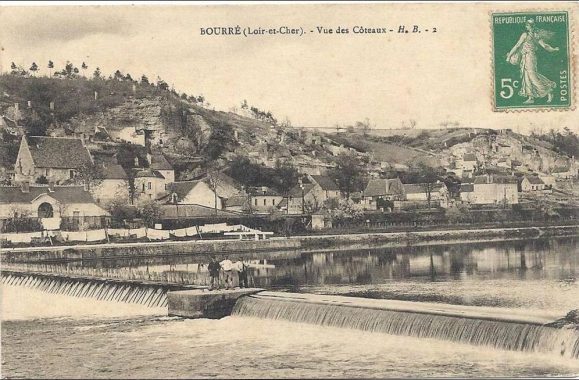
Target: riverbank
[
  {"x": 323, "y": 243},
  {"x": 304, "y": 243}
]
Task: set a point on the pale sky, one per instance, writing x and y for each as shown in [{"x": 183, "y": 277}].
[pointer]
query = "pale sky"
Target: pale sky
[{"x": 315, "y": 80}]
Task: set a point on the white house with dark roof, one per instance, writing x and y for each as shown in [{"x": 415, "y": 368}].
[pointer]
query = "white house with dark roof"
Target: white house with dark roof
[
  {"x": 158, "y": 162},
  {"x": 263, "y": 198},
  {"x": 495, "y": 189},
  {"x": 74, "y": 203},
  {"x": 192, "y": 193},
  {"x": 58, "y": 159},
  {"x": 419, "y": 192},
  {"x": 385, "y": 189},
  {"x": 532, "y": 183},
  {"x": 113, "y": 184},
  {"x": 149, "y": 183},
  {"x": 313, "y": 192}
]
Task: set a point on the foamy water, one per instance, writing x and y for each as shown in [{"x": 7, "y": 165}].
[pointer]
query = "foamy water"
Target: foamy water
[{"x": 97, "y": 339}]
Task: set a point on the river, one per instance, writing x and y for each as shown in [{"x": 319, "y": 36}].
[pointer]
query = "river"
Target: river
[{"x": 47, "y": 335}]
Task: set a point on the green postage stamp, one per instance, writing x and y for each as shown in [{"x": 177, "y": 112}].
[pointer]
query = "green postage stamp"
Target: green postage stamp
[{"x": 532, "y": 60}]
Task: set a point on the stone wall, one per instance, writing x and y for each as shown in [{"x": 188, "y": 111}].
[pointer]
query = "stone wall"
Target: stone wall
[{"x": 106, "y": 251}]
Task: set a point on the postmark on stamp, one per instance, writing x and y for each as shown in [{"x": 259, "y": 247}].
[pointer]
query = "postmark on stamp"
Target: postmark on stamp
[{"x": 532, "y": 61}]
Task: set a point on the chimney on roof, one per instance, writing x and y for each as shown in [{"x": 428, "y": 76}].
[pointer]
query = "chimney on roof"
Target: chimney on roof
[
  {"x": 52, "y": 106},
  {"x": 16, "y": 111},
  {"x": 96, "y": 95},
  {"x": 149, "y": 158},
  {"x": 29, "y": 104},
  {"x": 51, "y": 187},
  {"x": 82, "y": 139},
  {"x": 136, "y": 162},
  {"x": 25, "y": 186}
]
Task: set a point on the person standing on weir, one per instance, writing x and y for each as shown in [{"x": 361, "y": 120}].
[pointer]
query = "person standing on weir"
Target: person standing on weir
[
  {"x": 242, "y": 268},
  {"x": 227, "y": 267},
  {"x": 214, "y": 269}
]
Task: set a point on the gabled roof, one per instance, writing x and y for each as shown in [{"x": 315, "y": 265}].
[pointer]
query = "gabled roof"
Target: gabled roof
[
  {"x": 380, "y": 186},
  {"x": 58, "y": 152},
  {"x": 418, "y": 188},
  {"x": 560, "y": 169},
  {"x": 296, "y": 191},
  {"x": 148, "y": 173},
  {"x": 469, "y": 157},
  {"x": 237, "y": 201},
  {"x": 534, "y": 180},
  {"x": 63, "y": 194},
  {"x": 263, "y": 191},
  {"x": 159, "y": 162},
  {"x": 113, "y": 171},
  {"x": 182, "y": 188},
  {"x": 325, "y": 182},
  {"x": 484, "y": 179}
]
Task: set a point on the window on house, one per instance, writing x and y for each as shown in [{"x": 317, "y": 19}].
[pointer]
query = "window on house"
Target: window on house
[
  {"x": 71, "y": 174},
  {"x": 143, "y": 187},
  {"x": 256, "y": 201},
  {"x": 149, "y": 185},
  {"x": 273, "y": 202},
  {"x": 265, "y": 202}
]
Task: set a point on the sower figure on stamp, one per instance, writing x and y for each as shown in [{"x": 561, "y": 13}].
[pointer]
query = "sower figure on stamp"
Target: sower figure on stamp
[{"x": 524, "y": 53}]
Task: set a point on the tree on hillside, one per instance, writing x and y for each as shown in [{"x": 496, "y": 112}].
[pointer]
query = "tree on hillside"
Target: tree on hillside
[
  {"x": 68, "y": 70},
  {"x": 149, "y": 211},
  {"x": 347, "y": 173},
  {"x": 200, "y": 99},
  {"x": 118, "y": 75},
  {"x": 97, "y": 73},
  {"x": 84, "y": 67},
  {"x": 213, "y": 182},
  {"x": 363, "y": 126},
  {"x": 144, "y": 80},
  {"x": 33, "y": 68},
  {"x": 162, "y": 85},
  {"x": 50, "y": 67},
  {"x": 13, "y": 67},
  {"x": 285, "y": 176},
  {"x": 128, "y": 78},
  {"x": 220, "y": 140},
  {"x": 426, "y": 176},
  {"x": 89, "y": 175}
]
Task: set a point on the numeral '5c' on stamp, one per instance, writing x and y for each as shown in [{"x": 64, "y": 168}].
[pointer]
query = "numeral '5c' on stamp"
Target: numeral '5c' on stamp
[{"x": 531, "y": 61}]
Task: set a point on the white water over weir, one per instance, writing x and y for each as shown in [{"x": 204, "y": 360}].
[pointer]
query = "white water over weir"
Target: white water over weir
[
  {"x": 149, "y": 294},
  {"x": 444, "y": 322}
]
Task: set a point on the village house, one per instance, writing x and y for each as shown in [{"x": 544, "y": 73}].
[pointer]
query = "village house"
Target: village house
[
  {"x": 158, "y": 162},
  {"x": 532, "y": 183},
  {"x": 113, "y": 184},
  {"x": 313, "y": 192},
  {"x": 53, "y": 205},
  {"x": 385, "y": 189},
  {"x": 55, "y": 159},
  {"x": 197, "y": 192},
  {"x": 492, "y": 189},
  {"x": 419, "y": 193},
  {"x": 564, "y": 172},
  {"x": 149, "y": 183},
  {"x": 262, "y": 199}
]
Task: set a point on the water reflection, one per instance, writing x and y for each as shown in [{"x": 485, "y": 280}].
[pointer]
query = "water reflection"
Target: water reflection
[{"x": 554, "y": 259}]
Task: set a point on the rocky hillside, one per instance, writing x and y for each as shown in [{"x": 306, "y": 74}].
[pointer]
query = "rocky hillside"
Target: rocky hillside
[{"x": 191, "y": 135}]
